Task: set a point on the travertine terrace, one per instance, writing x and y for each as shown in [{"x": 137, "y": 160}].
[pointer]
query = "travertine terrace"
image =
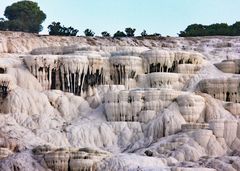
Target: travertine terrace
[{"x": 154, "y": 103}]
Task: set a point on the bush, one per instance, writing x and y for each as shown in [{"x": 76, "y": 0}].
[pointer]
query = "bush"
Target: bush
[
  {"x": 56, "y": 29},
  {"x": 105, "y": 34},
  {"x": 130, "y": 31},
  {"x": 89, "y": 33},
  {"x": 119, "y": 34}
]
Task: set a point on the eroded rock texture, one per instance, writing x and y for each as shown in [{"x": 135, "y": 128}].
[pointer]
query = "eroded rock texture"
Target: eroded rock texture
[{"x": 122, "y": 104}]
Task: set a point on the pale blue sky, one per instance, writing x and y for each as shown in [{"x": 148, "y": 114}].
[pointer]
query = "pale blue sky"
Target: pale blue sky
[{"x": 166, "y": 17}]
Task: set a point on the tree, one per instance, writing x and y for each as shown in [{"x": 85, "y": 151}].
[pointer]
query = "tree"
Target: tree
[
  {"x": 89, "y": 33},
  {"x": 235, "y": 29},
  {"x": 3, "y": 24},
  {"x": 119, "y": 34},
  {"x": 24, "y": 16},
  {"x": 56, "y": 29},
  {"x": 130, "y": 31},
  {"x": 194, "y": 30},
  {"x": 105, "y": 34},
  {"x": 144, "y": 33},
  {"x": 218, "y": 29}
]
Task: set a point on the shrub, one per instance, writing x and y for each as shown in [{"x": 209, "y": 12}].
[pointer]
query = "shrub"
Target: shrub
[{"x": 89, "y": 33}]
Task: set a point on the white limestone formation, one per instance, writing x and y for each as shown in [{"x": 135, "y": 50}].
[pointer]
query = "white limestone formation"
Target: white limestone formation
[
  {"x": 233, "y": 108},
  {"x": 191, "y": 107},
  {"x": 129, "y": 105},
  {"x": 168, "y": 61},
  {"x": 124, "y": 104},
  {"x": 69, "y": 159},
  {"x": 80, "y": 72}
]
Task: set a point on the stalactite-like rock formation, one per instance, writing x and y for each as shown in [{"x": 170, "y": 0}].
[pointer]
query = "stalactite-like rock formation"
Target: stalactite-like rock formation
[
  {"x": 57, "y": 160},
  {"x": 137, "y": 105},
  {"x": 169, "y": 61},
  {"x": 81, "y": 71},
  {"x": 223, "y": 89},
  {"x": 69, "y": 73},
  {"x": 125, "y": 70}
]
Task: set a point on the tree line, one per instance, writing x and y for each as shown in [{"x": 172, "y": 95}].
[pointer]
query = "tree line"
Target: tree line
[
  {"x": 57, "y": 29},
  {"x": 27, "y": 16},
  {"x": 218, "y": 29}
]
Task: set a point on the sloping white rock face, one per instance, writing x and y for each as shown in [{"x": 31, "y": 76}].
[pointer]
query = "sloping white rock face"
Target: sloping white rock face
[{"x": 111, "y": 106}]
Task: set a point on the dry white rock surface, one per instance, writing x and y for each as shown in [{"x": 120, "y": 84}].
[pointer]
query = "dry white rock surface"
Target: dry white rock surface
[{"x": 76, "y": 103}]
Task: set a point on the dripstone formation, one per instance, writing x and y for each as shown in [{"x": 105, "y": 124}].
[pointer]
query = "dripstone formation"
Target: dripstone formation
[{"x": 128, "y": 104}]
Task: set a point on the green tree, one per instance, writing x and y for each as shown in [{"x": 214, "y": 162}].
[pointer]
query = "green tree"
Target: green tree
[
  {"x": 221, "y": 29},
  {"x": 235, "y": 29},
  {"x": 56, "y": 29},
  {"x": 89, "y": 33},
  {"x": 24, "y": 16},
  {"x": 194, "y": 30},
  {"x": 3, "y": 24},
  {"x": 119, "y": 34},
  {"x": 105, "y": 34},
  {"x": 130, "y": 31},
  {"x": 218, "y": 29}
]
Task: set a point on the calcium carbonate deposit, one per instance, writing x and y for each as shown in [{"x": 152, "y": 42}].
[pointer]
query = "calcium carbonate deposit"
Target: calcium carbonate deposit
[{"x": 93, "y": 104}]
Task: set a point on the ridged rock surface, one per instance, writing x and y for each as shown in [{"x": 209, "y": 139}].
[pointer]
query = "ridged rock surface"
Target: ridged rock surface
[{"x": 77, "y": 103}]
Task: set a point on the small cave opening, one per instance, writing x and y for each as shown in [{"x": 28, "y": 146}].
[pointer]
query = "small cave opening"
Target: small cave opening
[
  {"x": 60, "y": 80},
  {"x": 53, "y": 79},
  {"x": 40, "y": 69},
  {"x": 3, "y": 91},
  {"x": 228, "y": 97},
  {"x": 2, "y": 70}
]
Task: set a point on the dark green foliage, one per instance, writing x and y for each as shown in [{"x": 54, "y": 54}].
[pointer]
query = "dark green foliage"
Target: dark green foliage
[
  {"x": 218, "y": 29},
  {"x": 23, "y": 16},
  {"x": 144, "y": 33},
  {"x": 56, "y": 29},
  {"x": 194, "y": 30},
  {"x": 119, "y": 34},
  {"x": 89, "y": 33},
  {"x": 3, "y": 24},
  {"x": 105, "y": 34},
  {"x": 130, "y": 31},
  {"x": 235, "y": 29}
]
